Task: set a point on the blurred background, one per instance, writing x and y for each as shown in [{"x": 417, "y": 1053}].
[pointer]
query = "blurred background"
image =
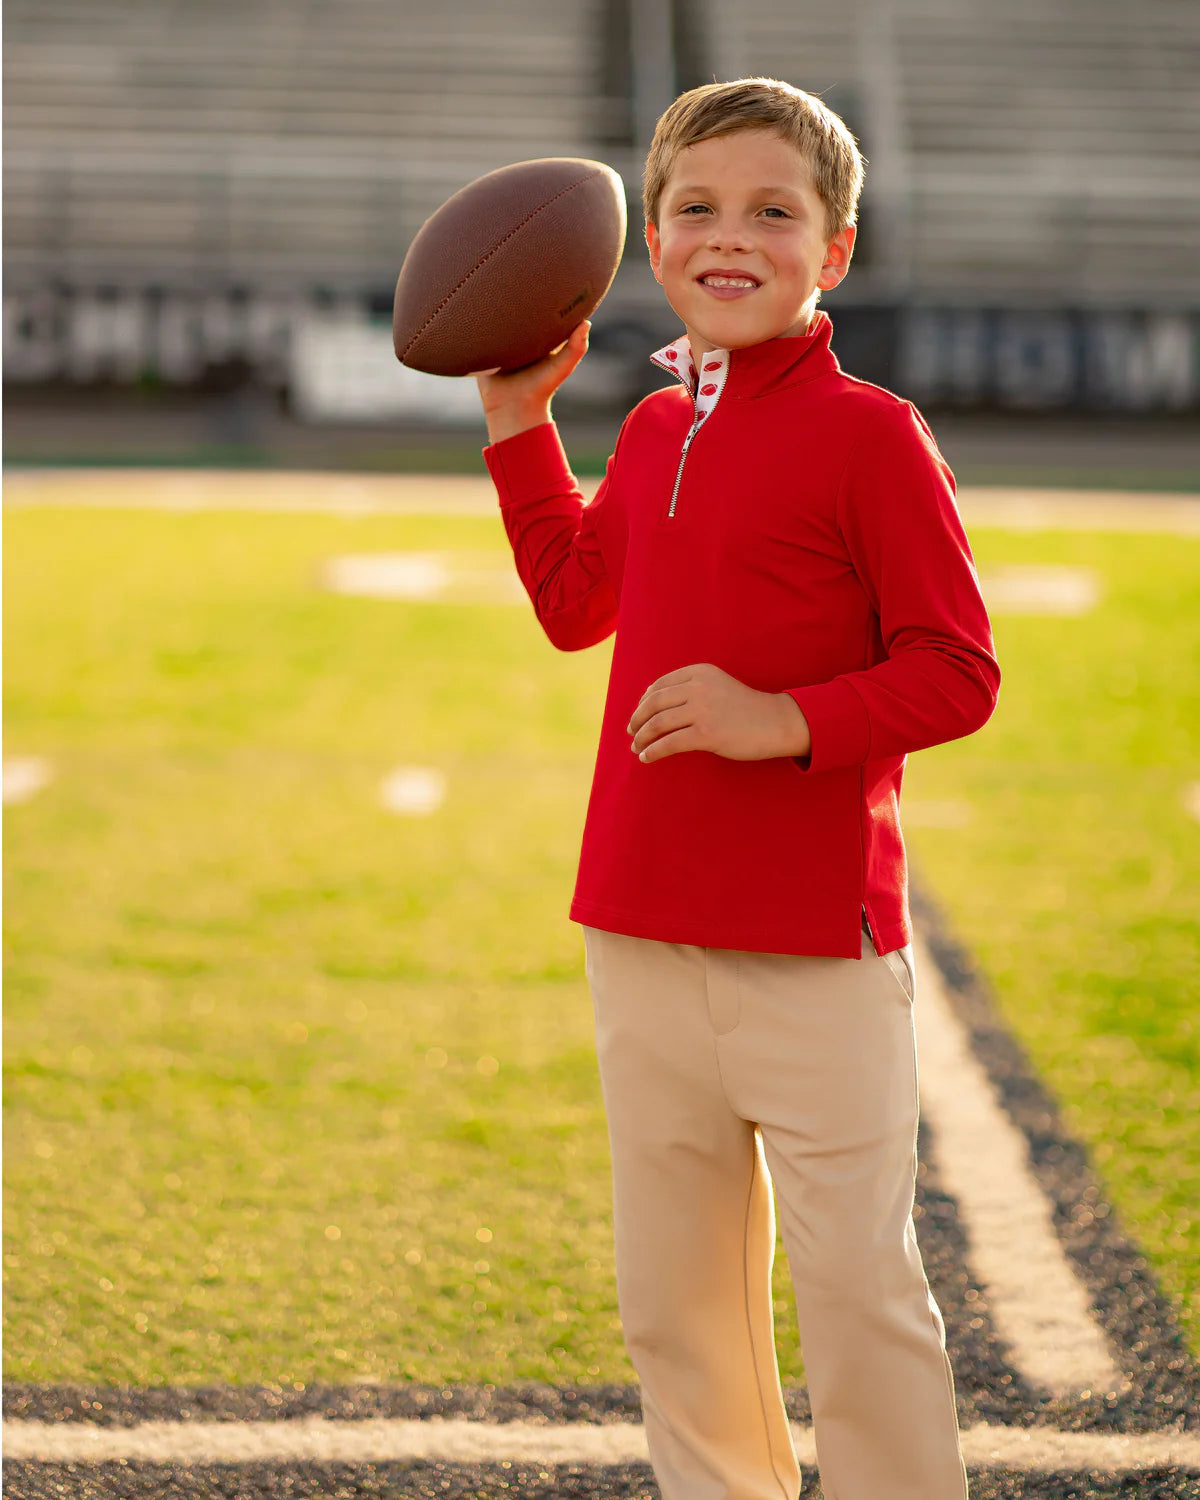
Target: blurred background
[{"x": 207, "y": 205}]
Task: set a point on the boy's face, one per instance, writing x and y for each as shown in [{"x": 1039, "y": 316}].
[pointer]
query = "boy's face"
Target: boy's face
[{"x": 744, "y": 204}]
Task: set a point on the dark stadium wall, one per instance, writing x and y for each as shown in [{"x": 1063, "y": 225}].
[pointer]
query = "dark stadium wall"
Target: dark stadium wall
[{"x": 963, "y": 357}]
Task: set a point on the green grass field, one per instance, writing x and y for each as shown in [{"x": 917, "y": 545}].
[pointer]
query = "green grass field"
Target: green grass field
[{"x": 301, "y": 1090}]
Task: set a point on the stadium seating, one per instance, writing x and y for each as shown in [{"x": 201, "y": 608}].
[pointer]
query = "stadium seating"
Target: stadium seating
[
  {"x": 257, "y": 142},
  {"x": 1030, "y": 150}
]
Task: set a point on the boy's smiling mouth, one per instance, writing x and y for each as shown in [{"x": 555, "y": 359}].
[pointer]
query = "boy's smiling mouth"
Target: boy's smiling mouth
[{"x": 728, "y": 284}]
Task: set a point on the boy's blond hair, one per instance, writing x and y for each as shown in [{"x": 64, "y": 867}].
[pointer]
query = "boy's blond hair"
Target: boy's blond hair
[{"x": 716, "y": 109}]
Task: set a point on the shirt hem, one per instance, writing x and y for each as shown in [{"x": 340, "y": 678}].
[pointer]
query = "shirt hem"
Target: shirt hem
[{"x": 671, "y": 929}]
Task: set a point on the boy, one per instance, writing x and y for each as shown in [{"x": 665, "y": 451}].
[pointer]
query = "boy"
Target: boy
[{"x": 796, "y": 607}]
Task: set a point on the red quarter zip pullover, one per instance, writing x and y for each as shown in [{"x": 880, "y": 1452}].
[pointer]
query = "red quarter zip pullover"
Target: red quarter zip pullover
[{"x": 797, "y": 528}]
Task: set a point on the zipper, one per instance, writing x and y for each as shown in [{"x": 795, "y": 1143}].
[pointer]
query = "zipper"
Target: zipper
[{"x": 687, "y": 443}]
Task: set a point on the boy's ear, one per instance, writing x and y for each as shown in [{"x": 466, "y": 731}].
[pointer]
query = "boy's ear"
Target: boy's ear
[
  {"x": 837, "y": 258},
  {"x": 655, "y": 244}
]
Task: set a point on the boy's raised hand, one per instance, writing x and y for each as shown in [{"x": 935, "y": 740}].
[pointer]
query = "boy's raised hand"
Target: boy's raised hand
[
  {"x": 702, "y": 708},
  {"x": 519, "y": 400}
]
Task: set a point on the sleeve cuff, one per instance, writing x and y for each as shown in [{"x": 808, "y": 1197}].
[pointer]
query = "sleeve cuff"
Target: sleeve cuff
[
  {"x": 838, "y": 723},
  {"x": 530, "y": 465}
]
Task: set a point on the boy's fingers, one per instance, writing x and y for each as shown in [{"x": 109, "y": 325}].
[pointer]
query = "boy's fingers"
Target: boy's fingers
[
  {"x": 578, "y": 340},
  {"x": 579, "y": 337}
]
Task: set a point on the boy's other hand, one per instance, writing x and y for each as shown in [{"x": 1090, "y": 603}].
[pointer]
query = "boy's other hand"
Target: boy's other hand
[
  {"x": 516, "y": 401},
  {"x": 702, "y": 708}
]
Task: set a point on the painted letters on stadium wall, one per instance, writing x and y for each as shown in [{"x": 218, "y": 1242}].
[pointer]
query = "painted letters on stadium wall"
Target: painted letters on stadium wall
[{"x": 970, "y": 358}]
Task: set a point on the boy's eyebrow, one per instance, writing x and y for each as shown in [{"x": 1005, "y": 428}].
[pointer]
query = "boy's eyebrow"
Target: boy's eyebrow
[{"x": 771, "y": 190}]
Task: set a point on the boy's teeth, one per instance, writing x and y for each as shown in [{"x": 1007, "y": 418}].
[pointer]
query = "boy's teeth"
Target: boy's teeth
[{"x": 728, "y": 281}]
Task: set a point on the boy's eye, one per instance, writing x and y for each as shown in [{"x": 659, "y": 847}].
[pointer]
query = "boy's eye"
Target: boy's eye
[{"x": 703, "y": 208}]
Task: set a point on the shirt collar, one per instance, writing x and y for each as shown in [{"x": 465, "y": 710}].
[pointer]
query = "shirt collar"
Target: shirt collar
[
  {"x": 754, "y": 369},
  {"x": 705, "y": 383}
]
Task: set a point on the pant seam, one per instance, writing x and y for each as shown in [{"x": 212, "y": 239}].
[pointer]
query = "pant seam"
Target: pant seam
[{"x": 762, "y": 1399}]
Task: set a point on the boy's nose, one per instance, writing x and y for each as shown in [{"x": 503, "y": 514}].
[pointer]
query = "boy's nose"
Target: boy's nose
[{"x": 728, "y": 237}]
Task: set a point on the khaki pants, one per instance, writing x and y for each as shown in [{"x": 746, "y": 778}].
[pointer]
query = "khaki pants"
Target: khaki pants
[{"x": 723, "y": 1071}]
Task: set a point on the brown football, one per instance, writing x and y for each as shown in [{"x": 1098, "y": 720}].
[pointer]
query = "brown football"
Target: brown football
[{"x": 507, "y": 267}]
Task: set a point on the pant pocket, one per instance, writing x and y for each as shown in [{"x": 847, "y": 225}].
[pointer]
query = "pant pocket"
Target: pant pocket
[{"x": 899, "y": 961}]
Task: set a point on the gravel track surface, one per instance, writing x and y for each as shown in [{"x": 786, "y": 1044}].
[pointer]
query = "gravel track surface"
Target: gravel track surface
[
  {"x": 1139, "y": 1320},
  {"x": 430, "y": 1481}
]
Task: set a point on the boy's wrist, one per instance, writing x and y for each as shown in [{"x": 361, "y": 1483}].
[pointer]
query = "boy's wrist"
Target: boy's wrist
[
  {"x": 795, "y": 736},
  {"x": 507, "y": 421}
]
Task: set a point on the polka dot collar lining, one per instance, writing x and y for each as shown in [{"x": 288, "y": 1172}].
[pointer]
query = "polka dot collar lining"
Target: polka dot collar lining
[{"x": 705, "y": 387}]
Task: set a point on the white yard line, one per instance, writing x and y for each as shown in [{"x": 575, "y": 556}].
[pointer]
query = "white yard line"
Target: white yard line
[
  {"x": 456, "y": 1440},
  {"x": 346, "y": 494},
  {"x": 1038, "y": 1304}
]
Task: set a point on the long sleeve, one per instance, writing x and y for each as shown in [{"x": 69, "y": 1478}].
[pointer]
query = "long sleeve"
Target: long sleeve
[
  {"x": 554, "y": 535},
  {"x": 899, "y": 518}
]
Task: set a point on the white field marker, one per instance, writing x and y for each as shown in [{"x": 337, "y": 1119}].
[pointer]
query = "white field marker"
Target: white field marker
[
  {"x": 1038, "y": 1304},
  {"x": 456, "y": 1440},
  {"x": 1191, "y": 799},
  {"x": 430, "y": 577},
  {"x": 1040, "y": 589},
  {"x": 25, "y": 776},
  {"x": 413, "y": 791}
]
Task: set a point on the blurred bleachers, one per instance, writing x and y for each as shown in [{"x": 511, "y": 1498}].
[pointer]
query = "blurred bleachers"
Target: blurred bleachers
[
  {"x": 1024, "y": 150},
  {"x": 234, "y": 141}
]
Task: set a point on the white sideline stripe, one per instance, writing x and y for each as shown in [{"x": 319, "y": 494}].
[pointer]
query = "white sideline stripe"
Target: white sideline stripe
[
  {"x": 457, "y": 1440},
  {"x": 346, "y": 494},
  {"x": 1038, "y": 1304},
  {"x": 1191, "y": 799}
]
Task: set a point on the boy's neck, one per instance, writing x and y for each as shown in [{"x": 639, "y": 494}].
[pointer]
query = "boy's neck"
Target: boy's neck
[{"x": 700, "y": 347}]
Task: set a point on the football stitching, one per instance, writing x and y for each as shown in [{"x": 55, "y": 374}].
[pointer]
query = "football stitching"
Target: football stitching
[{"x": 514, "y": 230}]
